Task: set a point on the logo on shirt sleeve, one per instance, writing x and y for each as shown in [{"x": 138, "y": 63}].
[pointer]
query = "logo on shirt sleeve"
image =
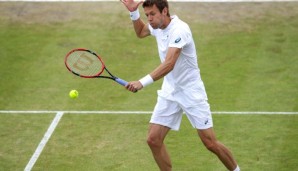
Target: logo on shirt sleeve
[{"x": 178, "y": 40}]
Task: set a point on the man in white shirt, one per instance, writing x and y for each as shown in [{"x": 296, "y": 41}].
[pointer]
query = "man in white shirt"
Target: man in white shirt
[{"x": 182, "y": 88}]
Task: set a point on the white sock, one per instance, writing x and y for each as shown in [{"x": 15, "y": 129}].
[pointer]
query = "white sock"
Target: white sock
[{"x": 237, "y": 168}]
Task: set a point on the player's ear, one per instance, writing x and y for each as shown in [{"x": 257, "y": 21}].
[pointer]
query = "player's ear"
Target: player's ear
[{"x": 165, "y": 11}]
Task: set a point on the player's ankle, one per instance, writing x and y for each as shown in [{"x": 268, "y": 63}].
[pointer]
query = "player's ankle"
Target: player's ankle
[{"x": 237, "y": 168}]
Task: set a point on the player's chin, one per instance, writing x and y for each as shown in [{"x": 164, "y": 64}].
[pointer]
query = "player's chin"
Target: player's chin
[{"x": 153, "y": 26}]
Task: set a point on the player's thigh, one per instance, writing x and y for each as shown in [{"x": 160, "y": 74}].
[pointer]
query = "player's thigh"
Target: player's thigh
[
  {"x": 157, "y": 132},
  {"x": 207, "y": 136},
  {"x": 167, "y": 113},
  {"x": 200, "y": 115}
]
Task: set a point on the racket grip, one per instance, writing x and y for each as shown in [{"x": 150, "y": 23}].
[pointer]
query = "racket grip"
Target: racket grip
[{"x": 120, "y": 81}]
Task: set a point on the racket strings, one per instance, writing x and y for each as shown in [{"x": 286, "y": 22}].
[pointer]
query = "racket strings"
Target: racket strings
[{"x": 84, "y": 63}]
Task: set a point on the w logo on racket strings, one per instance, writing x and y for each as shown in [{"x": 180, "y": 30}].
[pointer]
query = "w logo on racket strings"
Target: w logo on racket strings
[{"x": 83, "y": 62}]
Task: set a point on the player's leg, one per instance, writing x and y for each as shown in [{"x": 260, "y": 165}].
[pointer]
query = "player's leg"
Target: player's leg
[
  {"x": 201, "y": 119},
  {"x": 155, "y": 140},
  {"x": 166, "y": 115},
  {"x": 212, "y": 144}
]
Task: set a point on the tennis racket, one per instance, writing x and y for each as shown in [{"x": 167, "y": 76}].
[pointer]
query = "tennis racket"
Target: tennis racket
[{"x": 87, "y": 64}]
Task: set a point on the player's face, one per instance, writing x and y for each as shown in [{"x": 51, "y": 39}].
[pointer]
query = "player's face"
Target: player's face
[{"x": 155, "y": 17}]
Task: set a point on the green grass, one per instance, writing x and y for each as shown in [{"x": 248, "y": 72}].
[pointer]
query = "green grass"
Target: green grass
[
  {"x": 248, "y": 61},
  {"x": 118, "y": 142},
  {"x": 20, "y": 135},
  {"x": 243, "y": 61}
]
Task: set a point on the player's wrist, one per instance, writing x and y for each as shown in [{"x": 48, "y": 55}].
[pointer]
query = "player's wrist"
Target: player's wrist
[
  {"x": 145, "y": 81},
  {"x": 134, "y": 15}
]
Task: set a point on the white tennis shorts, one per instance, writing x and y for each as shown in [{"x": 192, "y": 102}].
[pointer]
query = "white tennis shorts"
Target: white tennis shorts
[{"x": 169, "y": 113}]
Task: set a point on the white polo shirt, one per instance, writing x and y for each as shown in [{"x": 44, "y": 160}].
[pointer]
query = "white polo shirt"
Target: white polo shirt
[{"x": 185, "y": 77}]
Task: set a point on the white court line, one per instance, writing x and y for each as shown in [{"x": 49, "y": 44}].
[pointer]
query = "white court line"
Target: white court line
[
  {"x": 43, "y": 142},
  {"x": 143, "y": 112},
  {"x": 255, "y": 113},
  {"x": 59, "y": 115}
]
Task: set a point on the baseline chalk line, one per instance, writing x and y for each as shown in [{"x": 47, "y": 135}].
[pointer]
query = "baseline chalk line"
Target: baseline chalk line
[
  {"x": 43, "y": 142},
  {"x": 144, "y": 112}
]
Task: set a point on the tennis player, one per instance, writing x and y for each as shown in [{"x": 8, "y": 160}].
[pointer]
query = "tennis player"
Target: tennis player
[{"x": 182, "y": 88}]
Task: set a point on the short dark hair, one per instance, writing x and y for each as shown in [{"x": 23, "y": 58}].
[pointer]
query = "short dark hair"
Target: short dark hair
[{"x": 160, "y": 4}]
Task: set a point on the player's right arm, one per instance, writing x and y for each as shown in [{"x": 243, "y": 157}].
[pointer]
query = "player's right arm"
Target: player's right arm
[{"x": 141, "y": 29}]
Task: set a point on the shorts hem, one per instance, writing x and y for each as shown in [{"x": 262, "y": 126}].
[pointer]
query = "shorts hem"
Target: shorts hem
[
  {"x": 205, "y": 127},
  {"x": 162, "y": 124}
]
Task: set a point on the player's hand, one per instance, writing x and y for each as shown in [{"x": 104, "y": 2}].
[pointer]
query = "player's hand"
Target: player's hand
[
  {"x": 131, "y": 5},
  {"x": 134, "y": 86}
]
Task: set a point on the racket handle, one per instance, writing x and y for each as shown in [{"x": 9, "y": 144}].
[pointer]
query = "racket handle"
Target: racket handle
[{"x": 120, "y": 81}]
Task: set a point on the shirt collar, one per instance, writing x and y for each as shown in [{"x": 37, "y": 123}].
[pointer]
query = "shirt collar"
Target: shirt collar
[{"x": 174, "y": 18}]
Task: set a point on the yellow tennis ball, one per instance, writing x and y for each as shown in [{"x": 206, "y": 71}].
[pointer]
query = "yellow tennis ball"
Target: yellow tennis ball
[{"x": 73, "y": 94}]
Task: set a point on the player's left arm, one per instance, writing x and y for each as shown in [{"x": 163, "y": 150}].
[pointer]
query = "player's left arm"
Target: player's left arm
[{"x": 159, "y": 72}]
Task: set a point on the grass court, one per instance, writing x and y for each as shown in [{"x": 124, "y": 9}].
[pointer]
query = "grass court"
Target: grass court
[{"x": 248, "y": 60}]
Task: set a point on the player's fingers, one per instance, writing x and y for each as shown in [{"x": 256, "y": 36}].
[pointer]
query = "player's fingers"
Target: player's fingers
[
  {"x": 124, "y": 2},
  {"x": 130, "y": 87},
  {"x": 140, "y": 2},
  {"x": 127, "y": 86}
]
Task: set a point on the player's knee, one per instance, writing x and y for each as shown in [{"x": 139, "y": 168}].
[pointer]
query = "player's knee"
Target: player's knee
[
  {"x": 212, "y": 146},
  {"x": 154, "y": 142}
]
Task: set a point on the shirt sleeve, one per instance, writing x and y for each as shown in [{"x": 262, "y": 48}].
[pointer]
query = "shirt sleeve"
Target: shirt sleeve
[
  {"x": 151, "y": 30},
  {"x": 178, "y": 39}
]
